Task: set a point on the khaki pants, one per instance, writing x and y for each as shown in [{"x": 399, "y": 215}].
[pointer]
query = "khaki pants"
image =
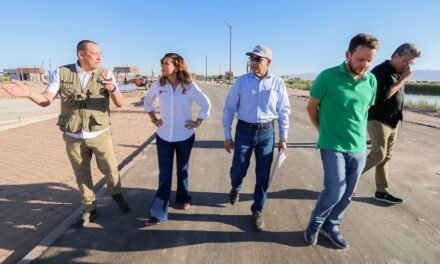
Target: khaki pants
[
  {"x": 383, "y": 138},
  {"x": 80, "y": 153}
]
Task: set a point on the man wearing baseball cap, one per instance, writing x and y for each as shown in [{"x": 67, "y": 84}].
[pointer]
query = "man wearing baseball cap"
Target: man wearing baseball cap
[{"x": 258, "y": 98}]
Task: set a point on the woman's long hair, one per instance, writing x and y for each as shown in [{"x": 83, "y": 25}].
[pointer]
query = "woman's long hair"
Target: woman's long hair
[{"x": 182, "y": 73}]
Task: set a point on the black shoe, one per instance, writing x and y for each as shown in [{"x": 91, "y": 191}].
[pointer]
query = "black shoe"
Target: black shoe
[
  {"x": 121, "y": 202},
  {"x": 311, "y": 233},
  {"x": 259, "y": 223},
  {"x": 336, "y": 238},
  {"x": 85, "y": 218},
  {"x": 233, "y": 197},
  {"x": 387, "y": 198}
]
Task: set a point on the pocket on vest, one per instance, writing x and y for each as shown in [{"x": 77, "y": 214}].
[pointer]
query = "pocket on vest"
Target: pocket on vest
[
  {"x": 98, "y": 122},
  {"x": 68, "y": 96},
  {"x": 69, "y": 123}
]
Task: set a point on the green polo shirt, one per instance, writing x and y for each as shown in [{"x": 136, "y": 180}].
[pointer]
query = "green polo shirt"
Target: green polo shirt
[{"x": 343, "y": 108}]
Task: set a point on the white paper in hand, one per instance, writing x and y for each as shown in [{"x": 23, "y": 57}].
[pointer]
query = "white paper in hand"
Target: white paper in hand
[
  {"x": 109, "y": 74},
  {"x": 280, "y": 159}
]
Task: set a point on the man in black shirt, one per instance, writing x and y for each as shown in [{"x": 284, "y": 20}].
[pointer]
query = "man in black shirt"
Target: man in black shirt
[{"x": 386, "y": 113}]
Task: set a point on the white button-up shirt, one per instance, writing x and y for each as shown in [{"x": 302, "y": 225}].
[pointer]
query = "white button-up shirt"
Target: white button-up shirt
[
  {"x": 175, "y": 108},
  {"x": 54, "y": 87}
]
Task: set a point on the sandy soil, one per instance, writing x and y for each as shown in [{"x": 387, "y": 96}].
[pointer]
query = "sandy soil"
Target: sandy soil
[{"x": 134, "y": 103}]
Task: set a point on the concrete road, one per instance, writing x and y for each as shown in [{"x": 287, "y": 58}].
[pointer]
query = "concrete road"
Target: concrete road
[
  {"x": 17, "y": 112},
  {"x": 213, "y": 231}
]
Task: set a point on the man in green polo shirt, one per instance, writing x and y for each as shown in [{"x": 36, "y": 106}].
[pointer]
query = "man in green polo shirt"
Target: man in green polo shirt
[{"x": 338, "y": 108}]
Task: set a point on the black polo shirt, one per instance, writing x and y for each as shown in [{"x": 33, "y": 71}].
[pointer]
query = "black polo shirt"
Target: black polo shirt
[{"x": 387, "y": 110}]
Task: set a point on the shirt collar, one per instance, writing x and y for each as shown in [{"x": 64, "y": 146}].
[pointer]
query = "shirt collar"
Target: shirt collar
[
  {"x": 80, "y": 70},
  {"x": 343, "y": 69},
  {"x": 169, "y": 84},
  {"x": 267, "y": 76},
  {"x": 389, "y": 66}
]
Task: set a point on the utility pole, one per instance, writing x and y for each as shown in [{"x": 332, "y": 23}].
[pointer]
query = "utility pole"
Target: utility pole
[
  {"x": 50, "y": 68},
  {"x": 230, "y": 50},
  {"x": 206, "y": 68}
]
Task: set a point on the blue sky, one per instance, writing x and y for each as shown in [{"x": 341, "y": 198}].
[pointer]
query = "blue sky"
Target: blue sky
[{"x": 306, "y": 36}]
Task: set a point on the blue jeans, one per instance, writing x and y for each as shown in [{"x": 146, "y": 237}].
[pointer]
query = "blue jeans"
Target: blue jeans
[
  {"x": 165, "y": 153},
  {"x": 261, "y": 141},
  {"x": 341, "y": 175}
]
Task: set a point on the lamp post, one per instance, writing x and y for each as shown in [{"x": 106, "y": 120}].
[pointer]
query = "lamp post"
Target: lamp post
[
  {"x": 206, "y": 68},
  {"x": 230, "y": 49}
]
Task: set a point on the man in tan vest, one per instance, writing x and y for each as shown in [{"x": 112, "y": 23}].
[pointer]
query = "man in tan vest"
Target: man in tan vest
[{"x": 85, "y": 90}]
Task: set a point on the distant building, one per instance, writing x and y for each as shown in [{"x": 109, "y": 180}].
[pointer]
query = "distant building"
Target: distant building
[
  {"x": 3, "y": 78},
  {"x": 227, "y": 74},
  {"x": 121, "y": 73},
  {"x": 12, "y": 74},
  {"x": 31, "y": 74},
  {"x": 25, "y": 74}
]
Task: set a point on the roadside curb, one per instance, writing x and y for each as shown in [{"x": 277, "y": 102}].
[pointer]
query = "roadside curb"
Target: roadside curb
[{"x": 25, "y": 122}]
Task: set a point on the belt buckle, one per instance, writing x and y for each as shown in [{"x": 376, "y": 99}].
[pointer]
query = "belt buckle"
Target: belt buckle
[{"x": 259, "y": 126}]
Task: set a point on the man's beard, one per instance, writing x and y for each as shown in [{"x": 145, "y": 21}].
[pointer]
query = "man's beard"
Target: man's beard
[{"x": 352, "y": 69}]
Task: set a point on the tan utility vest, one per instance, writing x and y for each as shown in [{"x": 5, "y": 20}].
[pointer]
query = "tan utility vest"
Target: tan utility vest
[{"x": 88, "y": 109}]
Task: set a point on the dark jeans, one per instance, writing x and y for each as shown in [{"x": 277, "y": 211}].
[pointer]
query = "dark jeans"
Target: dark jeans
[
  {"x": 261, "y": 141},
  {"x": 165, "y": 153}
]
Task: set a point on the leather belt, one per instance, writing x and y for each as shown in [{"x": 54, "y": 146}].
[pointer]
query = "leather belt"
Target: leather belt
[{"x": 257, "y": 126}]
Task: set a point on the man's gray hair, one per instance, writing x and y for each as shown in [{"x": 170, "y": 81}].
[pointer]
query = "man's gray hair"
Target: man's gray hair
[{"x": 407, "y": 49}]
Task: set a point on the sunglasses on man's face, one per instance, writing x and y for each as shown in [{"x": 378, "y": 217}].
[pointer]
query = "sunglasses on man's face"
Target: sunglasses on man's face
[{"x": 256, "y": 58}]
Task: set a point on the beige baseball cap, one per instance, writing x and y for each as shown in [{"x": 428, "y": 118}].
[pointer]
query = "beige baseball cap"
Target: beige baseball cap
[{"x": 262, "y": 51}]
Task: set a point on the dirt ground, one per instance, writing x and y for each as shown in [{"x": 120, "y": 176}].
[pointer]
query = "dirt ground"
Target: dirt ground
[{"x": 133, "y": 103}]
